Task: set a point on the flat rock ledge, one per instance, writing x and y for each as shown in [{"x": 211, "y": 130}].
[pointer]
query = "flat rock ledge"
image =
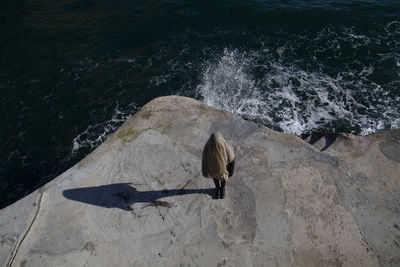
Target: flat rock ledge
[{"x": 139, "y": 199}]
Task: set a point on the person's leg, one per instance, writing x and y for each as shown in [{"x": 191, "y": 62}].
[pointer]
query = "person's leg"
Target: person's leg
[
  {"x": 217, "y": 188},
  {"x": 222, "y": 189}
]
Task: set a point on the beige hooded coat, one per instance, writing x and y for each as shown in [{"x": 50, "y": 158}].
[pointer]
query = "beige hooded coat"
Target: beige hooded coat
[{"x": 216, "y": 155}]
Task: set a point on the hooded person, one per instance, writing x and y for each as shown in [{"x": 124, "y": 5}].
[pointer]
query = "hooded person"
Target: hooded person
[{"x": 218, "y": 162}]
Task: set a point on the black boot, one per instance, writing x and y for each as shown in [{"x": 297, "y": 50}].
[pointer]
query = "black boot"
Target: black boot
[
  {"x": 216, "y": 196},
  {"x": 222, "y": 190}
]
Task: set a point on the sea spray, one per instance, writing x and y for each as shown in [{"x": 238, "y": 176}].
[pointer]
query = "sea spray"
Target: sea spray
[{"x": 260, "y": 86}]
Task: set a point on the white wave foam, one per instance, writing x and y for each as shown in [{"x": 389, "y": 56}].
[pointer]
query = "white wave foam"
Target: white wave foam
[
  {"x": 228, "y": 85},
  {"x": 127, "y": 60},
  {"x": 294, "y": 100},
  {"x": 96, "y": 134}
]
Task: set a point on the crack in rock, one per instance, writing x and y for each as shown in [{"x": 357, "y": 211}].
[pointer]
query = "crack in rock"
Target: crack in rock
[{"x": 14, "y": 254}]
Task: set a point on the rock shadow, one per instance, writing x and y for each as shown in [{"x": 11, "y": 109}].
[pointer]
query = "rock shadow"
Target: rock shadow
[
  {"x": 123, "y": 195},
  {"x": 316, "y": 136}
]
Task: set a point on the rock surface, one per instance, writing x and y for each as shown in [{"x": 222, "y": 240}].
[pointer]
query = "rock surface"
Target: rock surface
[{"x": 140, "y": 200}]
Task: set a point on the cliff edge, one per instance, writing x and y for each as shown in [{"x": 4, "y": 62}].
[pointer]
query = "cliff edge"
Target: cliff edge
[{"x": 139, "y": 199}]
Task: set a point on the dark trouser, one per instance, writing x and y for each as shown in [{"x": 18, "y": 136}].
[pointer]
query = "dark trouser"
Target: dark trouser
[
  {"x": 218, "y": 185},
  {"x": 220, "y": 188}
]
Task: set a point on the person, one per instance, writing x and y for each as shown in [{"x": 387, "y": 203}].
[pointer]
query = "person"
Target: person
[{"x": 218, "y": 162}]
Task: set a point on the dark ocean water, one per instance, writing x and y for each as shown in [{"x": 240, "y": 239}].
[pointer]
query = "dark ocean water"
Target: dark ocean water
[{"x": 71, "y": 72}]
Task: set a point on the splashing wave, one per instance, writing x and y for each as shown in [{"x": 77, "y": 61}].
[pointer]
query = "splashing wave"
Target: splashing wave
[{"x": 258, "y": 85}]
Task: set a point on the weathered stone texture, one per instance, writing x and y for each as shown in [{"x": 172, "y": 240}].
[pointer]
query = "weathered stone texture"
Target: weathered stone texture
[{"x": 139, "y": 199}]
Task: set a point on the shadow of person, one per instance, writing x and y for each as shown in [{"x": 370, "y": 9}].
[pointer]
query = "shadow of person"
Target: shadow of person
[{"x": 122, "y": 195}]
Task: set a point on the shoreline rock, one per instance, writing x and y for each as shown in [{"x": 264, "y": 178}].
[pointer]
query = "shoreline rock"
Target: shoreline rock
[{"x": 139, "y": 198}]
